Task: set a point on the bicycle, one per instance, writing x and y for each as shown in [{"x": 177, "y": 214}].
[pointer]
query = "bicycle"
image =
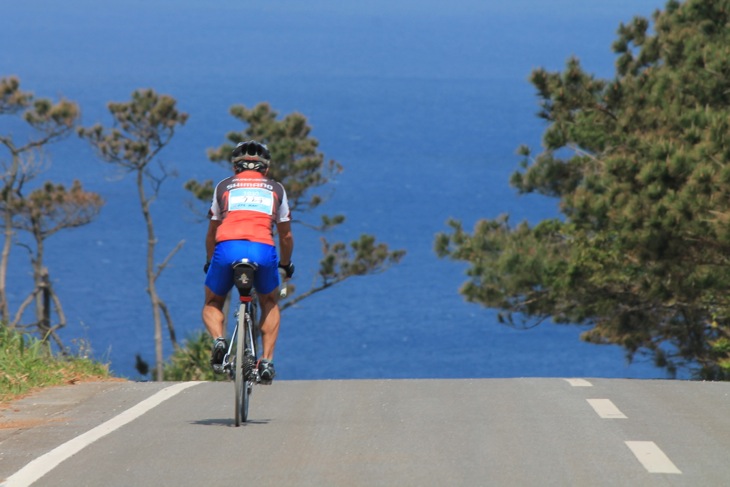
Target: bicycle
[{"x": 242, "y": 367}]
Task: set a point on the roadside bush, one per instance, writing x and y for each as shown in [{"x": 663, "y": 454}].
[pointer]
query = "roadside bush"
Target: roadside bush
[
  {"x": 192, "y": 361},
  {"x": 27, "y": 363}
]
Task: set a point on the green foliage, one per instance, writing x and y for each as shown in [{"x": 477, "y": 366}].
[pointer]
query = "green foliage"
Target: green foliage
[
  {"x": 26, "y": 364},
  {"x": 298, "y": 164},
  {"x": 192, "y": 361},
  {"x": 48, "y": 209},
  {"x": 143, "y": 127},
  {"x": 52, "y": 207},
  {"x": 49, "y": 120},
  {"x": 363, "y": 257},
  {"x": 12, "y": 99},
  {"x": 641, "y": 166}
]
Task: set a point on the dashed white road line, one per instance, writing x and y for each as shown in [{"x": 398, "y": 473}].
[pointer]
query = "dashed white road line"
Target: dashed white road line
[
  {"x": 45, "y": 463},
  {"x": 606, "y": 409},
  {"x": 648, "y": 453},
  {"x": 652, "y": 457}
]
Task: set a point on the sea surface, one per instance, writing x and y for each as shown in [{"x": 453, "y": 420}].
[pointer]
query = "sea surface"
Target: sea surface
[{"x": 423, "y": 102}]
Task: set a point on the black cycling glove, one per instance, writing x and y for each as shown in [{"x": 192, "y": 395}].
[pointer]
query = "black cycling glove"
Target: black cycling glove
[{"x": 289, "y": 269}]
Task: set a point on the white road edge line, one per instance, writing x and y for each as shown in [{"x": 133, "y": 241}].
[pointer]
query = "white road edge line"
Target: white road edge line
[
  {"x": 652, "y": 457},
  {"x": 606, "y": 409},
  {"x": 47, "y": 462},
  {"x": 579, "y": 383}
]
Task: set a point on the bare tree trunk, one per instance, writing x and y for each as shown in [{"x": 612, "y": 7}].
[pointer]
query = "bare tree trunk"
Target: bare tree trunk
[
  {"x": 159, "y": 356},
  {"x": 10, "y": 178},
  {"x": 143, "y": 127},
  {"x": 42, "y": 288},
  {"x": 44, "y": 305},
  {"x": 43, "y": 310},
  {"x": 157, "y": 303},
  {"x": 150, "y": 272},
  {"x": 4, "y": 311},
  {"x": 61, "y": 318},
  {"x": 46, "y": 321},
  {"x": 170, "y": 327},
  {"x": 21, "y": 309},
  {"x": 44, "y": 298},
  {"x": 163, "y": 306}
]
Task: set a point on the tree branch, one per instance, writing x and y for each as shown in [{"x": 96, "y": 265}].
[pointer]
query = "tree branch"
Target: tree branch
[{"x": 164, "y": 263}]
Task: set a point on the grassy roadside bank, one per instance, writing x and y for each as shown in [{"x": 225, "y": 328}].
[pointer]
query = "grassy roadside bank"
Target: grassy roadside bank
[{"x": 26, "y": 364}]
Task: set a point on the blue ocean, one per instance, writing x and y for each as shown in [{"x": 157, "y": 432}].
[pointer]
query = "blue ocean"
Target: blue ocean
[{"x": 423, "y": 102}]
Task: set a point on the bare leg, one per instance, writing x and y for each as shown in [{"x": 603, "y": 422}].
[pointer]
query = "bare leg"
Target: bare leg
[
  {"x": 213, "y": 313},
  {"x": 270, "y": 321}
]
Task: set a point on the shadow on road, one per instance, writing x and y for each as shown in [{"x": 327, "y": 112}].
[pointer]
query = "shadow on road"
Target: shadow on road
[{"x": 227, "y": 422}]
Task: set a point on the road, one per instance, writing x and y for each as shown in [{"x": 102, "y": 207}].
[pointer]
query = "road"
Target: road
[{"x": 501, "y": 432}]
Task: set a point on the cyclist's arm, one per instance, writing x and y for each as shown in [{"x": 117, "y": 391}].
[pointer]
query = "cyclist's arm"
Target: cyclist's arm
[
  {"x": 210, "y": 238},
  {"x": 286, "y": 242}
]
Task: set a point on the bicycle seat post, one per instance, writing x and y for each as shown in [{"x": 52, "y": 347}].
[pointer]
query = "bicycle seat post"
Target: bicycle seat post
[{"x": 243, "y": 274}]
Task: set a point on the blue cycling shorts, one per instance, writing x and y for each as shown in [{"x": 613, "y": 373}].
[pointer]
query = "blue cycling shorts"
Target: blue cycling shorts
[{"x": 220, "y": 273}]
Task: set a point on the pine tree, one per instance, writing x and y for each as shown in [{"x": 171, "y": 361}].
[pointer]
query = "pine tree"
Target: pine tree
[
  {"x": 143, "y": 127},
  {"x": 641, "y": 166},
  {"x": 43, "y": 123},
  {"x": 302, "y": 169}
]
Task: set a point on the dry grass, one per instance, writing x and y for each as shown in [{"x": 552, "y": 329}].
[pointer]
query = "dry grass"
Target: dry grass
[{"x": 26, "y": 364}]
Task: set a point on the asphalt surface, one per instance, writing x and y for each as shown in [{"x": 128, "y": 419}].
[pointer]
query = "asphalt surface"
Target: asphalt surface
[{"x": 502, "y": 432}]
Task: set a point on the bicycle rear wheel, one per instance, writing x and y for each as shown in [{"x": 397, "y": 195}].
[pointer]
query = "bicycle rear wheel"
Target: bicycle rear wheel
[{"x": 242, "y": 386}]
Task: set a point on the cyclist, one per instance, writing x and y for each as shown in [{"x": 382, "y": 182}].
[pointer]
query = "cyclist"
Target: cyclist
[{"x": 244, "y": 210}]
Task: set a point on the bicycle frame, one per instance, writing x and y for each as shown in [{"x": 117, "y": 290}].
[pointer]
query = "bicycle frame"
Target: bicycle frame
[
  {"x": 243, "y": 310},
  {"x": 242, "y": 368},
  {"x": 241, "y": 364}
]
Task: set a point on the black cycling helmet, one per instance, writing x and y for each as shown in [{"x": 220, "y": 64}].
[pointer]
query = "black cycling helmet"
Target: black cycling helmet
[{"x": 251, "y": 155}]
